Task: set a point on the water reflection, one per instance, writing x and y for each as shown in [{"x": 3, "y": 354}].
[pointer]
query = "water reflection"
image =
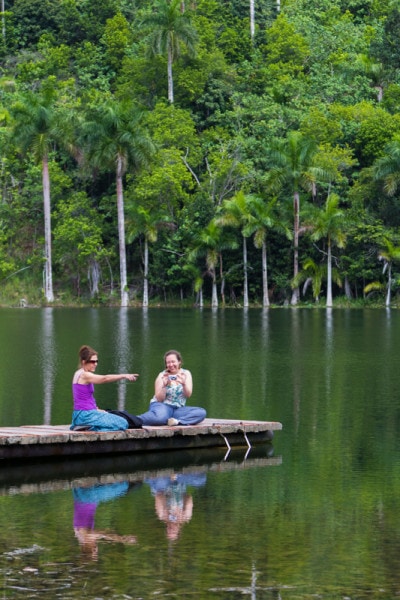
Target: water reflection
[
  {"x": 249, "y": 590},
  {"x": 173, "y": 506},
  {"x": 297, "y": 351},
  {"x": 265, "y": 342},
  {"x": 150, "y": 525},
  {"x": 171, "y": 487},
  {"x": 173, "y": 502},
  {"x": 123, "y": 354},
  {"x": 329, "y": 351},
  {"x": 325, "y": 523},
  {"x": 245, "y": 365},
  {"x": 48, "y": 361},
  {"x": 40, "y": 477},
  {"x": 86, "y": 501},
  {"x": 329, "y": 330}
]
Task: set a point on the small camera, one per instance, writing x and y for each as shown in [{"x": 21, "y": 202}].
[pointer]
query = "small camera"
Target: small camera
[{"x": 172, "y": 377}]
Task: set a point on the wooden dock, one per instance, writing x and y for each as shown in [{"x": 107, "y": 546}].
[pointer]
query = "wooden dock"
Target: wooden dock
[
  {"x": 58, "y": 441},
  {"x": 51, "y": 476}
]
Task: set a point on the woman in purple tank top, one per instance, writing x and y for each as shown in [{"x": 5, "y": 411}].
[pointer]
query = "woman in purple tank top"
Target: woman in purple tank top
[{"x": 86, "y": 414}]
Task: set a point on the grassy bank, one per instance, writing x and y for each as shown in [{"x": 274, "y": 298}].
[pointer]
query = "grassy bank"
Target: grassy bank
[{"x": 21, "y": 294}]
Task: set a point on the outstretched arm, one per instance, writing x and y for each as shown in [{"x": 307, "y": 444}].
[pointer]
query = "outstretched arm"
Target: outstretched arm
[{"x": 88, "y": 377}]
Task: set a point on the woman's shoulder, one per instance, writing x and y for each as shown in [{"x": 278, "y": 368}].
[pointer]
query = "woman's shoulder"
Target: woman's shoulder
[{"x": 77, "y": 375}]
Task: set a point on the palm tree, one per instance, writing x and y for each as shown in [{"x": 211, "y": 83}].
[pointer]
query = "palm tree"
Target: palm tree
[
  {"x": 263, "y": 218},
  {"x": 330, "y": 223},
  {"x": 210, "y": 242},
  {"x": 145, "y": 222},
  {"x": 387, "y": 167},
  {"x": 293, "y": 162},
  {"x": 375, "y": 70},
  {"x": 36, "y": 128},
  {"x": 311, "y": 273},
  {"x": 207, "y": 242},
  {"x": 235, "y": 213},
  {"x": 172, "y": 28},
  {"x": 114, "y": 139},
  {"x": 388, "y": 255}
]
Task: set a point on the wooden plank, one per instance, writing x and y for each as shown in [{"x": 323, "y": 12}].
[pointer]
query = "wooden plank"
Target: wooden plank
[
  {"x": 33, "y": 441},
  {"x": 60, "y": 483}
]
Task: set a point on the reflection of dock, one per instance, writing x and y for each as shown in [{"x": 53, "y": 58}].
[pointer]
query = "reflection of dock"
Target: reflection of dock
[
  {"x": 40, "y": 441},
  {"x": 59, "y": 476}
]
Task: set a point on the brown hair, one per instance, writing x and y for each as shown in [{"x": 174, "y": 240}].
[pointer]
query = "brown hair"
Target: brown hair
[
  {"x": 177, "y": 354},
  {"x": 85, "y": 354}
]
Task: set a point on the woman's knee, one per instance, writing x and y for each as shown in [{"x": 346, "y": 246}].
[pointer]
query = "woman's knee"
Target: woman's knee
[
  {"x": 157, "y": 414},
  {"x": 162, "y": 411},
  {"x": 199, "y": 413}
]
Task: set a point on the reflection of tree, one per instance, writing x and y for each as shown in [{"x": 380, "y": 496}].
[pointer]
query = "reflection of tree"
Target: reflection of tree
[
  {"x": 123, "y": 353},
  {"x": 173, "y": 504},
  {"x": 297, "y": 370},
  {"x": 86, "y": 501},
  {"x": 48, "y": 361},
  {"x": 265, "y": 348},
  {"x": 246, "y": 361}
]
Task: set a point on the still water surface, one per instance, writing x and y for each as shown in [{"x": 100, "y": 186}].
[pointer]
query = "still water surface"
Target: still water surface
[{"x": 316, "y": 514}]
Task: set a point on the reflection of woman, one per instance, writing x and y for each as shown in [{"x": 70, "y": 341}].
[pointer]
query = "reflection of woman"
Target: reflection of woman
[
  {"x": 86, "y": 501},
  {"x": 173, "y": 504},
  {"x": 173, "y": 387},
  {"x": 86, "y": 413}
]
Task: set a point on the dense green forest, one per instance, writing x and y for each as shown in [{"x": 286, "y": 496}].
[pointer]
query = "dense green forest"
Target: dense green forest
[{"x": 219, "y": 152}]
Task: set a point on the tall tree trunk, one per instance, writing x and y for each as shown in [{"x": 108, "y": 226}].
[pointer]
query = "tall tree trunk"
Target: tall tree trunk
[
  {"x": 296, "y": 210},
  {"x": 265, "y": 275},
  {"x": 48, "y": 276},
  {"x": 170, "y": 80},
  {"x": 329, "y": 276},
  {"x": 3, "y": 21},
  {"x": 201, "y": 303},
  {"x": 214, "y": 296},
  {"x": 252, "y": 19},
  {"x": 221, "y": 274},
  {"x": 347, "y": 288},
  {"x": 245, "y": 278},
  {"x": 94, "y": 277},
  {"x": 389, "y": 286},
  {"x": 121, "y": 236},
  {"x": 146, "y": 273}
]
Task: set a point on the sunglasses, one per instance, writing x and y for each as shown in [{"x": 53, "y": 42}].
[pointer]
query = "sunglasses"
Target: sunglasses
[{"x": 93, "y": 361}]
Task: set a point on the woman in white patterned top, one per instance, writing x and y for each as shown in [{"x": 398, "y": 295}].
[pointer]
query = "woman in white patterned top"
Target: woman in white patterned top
[{"x": 173, "y": 386}]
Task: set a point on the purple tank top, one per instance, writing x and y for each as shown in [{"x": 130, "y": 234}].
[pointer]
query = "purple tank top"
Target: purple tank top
[
  {"x": 84, "y": 514},
  {"x": 83, "y": 396}
]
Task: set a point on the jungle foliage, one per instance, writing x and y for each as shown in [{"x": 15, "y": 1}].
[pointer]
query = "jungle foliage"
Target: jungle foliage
[{"x": 216, "y": 152}]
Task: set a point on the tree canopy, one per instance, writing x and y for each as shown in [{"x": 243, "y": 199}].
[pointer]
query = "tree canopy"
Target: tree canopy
[{"x": 211, "y": 124}]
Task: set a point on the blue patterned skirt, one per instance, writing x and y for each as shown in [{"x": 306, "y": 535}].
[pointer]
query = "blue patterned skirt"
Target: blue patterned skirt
[{"x": 98, "y": 420}]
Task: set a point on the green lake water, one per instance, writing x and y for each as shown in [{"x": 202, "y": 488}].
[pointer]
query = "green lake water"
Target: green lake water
[{"x": 315, "y": 514}]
